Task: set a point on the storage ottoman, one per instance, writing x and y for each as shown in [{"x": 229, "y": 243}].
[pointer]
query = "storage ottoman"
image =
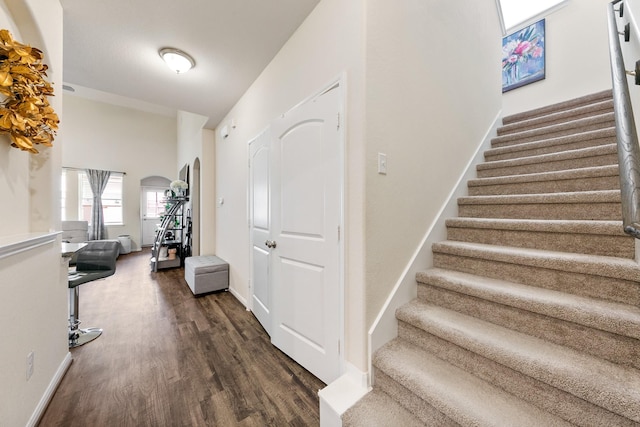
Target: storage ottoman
[{"x": 206, "y": 274}]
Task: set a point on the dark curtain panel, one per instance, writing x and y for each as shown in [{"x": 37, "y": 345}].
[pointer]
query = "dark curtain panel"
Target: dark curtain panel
[{"x": 98, "y": 181}]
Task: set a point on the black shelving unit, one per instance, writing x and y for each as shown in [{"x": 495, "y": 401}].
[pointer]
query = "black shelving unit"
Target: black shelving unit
[{"x": 169, "y": 235}]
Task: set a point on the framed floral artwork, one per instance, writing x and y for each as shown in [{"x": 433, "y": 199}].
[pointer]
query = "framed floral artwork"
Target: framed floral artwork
[{"x": 523, "y": 57}]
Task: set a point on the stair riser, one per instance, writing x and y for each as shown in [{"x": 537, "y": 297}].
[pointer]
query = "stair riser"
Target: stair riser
[
  {"x": 551, "y": 132},
  {"x": 547, "y": 147},
  {"x": 549, "y": 398},
  {"x": 555, "y": 119},
  {"x": 610, "y": 346},
  {"x": 612, "y": 289},
  {"x": 539, "y": 187},
  {"x": 558, "y": 107},
  {"x": 548, "y": 166},
  {"x": 572, "y": 211},
  {"x": 591, "y": 244},
  {"x": 418, "y": 407}
]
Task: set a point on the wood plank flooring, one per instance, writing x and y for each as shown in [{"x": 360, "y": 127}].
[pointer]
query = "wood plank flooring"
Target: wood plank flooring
[{"x": 167, "y": 358}]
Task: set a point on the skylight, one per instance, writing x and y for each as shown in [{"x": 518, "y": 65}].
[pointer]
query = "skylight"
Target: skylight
[{"x": 516, "y": 12}]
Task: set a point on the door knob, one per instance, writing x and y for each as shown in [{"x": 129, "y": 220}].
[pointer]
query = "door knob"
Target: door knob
[{"x": 270, "y": 244}]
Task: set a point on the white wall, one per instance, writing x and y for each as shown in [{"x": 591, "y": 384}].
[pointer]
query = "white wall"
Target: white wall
[
  {"x": 194, "y": 142},
  {"x": 208, "y": 194},
  {"x": 111, "y": 137},
  {"x": 328, "y": 44},
  {"x": 33, "y": 319},
  {"x": 14, "y": 164},
  {"x": 33, "y": 301},
  {"x": 433, "y": 92},
  {"x": 421, "y": 107},
  {"x": 577, "y": 58}
]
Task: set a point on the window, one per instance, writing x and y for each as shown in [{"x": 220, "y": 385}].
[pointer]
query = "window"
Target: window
[
  {"x": 111, "y": 199},
  {"x": 516, "y": 12},
  {"x": 155, "y": 201}
]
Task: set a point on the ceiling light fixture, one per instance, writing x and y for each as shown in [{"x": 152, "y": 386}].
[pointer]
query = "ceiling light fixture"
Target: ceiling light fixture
[{"x": 177, "y": 60}]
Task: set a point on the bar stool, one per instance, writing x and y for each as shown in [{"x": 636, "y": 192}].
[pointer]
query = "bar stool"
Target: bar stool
[{"x": 96, "y": 261}]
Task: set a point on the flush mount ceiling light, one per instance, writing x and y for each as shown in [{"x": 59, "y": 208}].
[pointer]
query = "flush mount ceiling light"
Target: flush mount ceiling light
[{"x": 177, "y": 60}]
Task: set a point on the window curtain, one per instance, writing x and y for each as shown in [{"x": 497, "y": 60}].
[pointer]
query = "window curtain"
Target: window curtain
[{"x": 98, "y": 181}]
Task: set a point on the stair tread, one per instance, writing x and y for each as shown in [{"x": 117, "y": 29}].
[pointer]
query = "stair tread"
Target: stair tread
[
  {"x": 587, "y": 236},
  {"x": 603, "y": 105},
  {"x": 613, "y": 387},
  {"x": 578, "y": 173},
  {"x": 559, "y": 106},
  {"x": 597, "y": 265},
  {"x": 456, "y": 393},
  {"x": 600, "y": 196},
  {"x": 608, "y": 132},
  {"x": 603, "y": 227},
  {"x": 604, "y": 315},
  {"x": 367, "y": 412},
  {"x": 554, "y": 128},
  {"x": 563, "y": 337},
  {"x": 550, "y": 157}
]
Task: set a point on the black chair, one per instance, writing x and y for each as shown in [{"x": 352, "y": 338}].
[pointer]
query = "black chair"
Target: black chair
[{"x": 96, "y": 261}]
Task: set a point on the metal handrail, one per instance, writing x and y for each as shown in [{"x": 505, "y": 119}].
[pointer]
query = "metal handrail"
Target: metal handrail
[{"x": 627, "y": 137}]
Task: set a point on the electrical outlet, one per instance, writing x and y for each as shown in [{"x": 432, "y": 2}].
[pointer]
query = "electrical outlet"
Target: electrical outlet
[{"x": 30, "y": 357}]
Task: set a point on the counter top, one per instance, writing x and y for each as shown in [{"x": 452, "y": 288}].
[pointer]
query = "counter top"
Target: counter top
[{"x": 68, "y": 249}]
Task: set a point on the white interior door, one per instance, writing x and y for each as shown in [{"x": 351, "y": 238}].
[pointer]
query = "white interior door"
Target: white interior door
[
  {"x": 306, "y": 213},
  {"x": 151, "y": 207},
  {"x": 259, "y": 214}
]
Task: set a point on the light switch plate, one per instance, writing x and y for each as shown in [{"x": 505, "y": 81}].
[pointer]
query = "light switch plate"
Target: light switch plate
[{"x": 382, "y": 163}]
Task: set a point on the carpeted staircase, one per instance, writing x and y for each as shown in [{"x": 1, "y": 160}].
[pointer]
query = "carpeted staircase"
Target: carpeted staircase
[{"x": 530, "y": 315}]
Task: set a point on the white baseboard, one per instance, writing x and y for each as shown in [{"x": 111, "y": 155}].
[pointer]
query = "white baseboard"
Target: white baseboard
[
  {"x": 51, "y": 389},
  {"x": 239, "y": 297}
]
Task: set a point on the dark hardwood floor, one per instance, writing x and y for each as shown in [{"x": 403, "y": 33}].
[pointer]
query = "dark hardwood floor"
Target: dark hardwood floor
[{"x": 167, "y": 358}]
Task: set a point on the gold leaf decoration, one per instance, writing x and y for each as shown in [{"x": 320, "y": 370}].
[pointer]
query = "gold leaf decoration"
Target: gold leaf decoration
[{"x": 25, "y": 113}]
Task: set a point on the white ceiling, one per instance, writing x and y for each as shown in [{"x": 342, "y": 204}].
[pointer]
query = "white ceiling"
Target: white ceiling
[{"x": 111, "y": 49}]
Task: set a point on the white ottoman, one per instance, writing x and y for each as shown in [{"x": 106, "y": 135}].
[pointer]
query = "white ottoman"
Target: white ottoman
[{"x": 206, "y": 274}]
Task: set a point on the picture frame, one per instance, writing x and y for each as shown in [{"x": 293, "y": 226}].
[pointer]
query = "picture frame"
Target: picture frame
[{"x": 523, "y": 56}]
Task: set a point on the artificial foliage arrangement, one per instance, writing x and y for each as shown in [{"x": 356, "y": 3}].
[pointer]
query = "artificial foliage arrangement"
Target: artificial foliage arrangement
[
  {"x": 179, "y": 187},
  {"x": 25, "y": 113}
]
